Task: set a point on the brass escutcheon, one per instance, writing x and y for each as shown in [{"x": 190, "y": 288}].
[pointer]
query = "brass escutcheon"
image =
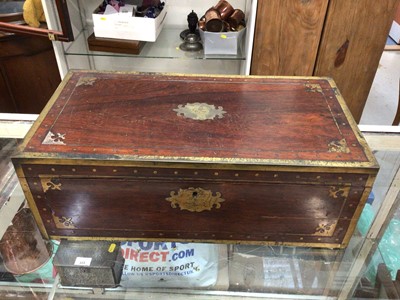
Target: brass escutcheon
[{"x": 195, "y": 199}]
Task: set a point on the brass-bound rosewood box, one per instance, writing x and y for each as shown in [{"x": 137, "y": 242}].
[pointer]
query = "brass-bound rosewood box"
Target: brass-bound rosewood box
[{"x": 130, "y": 156}]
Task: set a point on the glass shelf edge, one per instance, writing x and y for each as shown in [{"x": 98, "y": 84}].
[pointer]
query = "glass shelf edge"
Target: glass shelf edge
[{"x": 166, "y": 47}]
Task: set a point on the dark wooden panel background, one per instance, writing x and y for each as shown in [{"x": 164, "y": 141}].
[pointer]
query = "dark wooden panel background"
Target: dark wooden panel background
[
  {"x": 28, "y": 73},
  {"x": 351, "y": 47},
  {"x": 338, "y": 38}
]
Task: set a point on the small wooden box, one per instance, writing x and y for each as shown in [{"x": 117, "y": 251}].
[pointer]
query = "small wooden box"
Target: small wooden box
[
  {"x": 222, "y": 159},
  {"x": 114, "y": 45}
]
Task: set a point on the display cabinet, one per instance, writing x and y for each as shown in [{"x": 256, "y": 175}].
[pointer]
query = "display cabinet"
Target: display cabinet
[
  {"x": 291, "y": 38},
  {"x": 315, "y": 37},
  {"x": 243, "y": 271},
  {"x": 163, "y": 55}
]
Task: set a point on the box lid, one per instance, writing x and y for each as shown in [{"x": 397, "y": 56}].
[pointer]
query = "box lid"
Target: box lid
[{"x": 163, "y": 118}]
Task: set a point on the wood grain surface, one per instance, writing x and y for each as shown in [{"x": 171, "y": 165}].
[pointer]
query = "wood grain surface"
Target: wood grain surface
[
  {"x": 28, "y": 74},
  {"x": 355, "y": 34},
  {"x": 132, "y": 203},
  {"x": 135, "y": 114},
  {"x": 287, "y": 36}
]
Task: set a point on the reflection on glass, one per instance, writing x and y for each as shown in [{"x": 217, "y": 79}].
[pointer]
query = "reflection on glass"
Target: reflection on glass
[{"x": 28, "y": 17}]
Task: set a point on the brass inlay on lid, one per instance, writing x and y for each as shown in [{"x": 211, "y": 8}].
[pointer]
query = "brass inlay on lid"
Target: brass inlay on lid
[
  {"x": 86, "y": 81},
  {"x": 54, "y": 139},
  {"x": 200, "y": 111},
  {"x": 338, "y": 146}
]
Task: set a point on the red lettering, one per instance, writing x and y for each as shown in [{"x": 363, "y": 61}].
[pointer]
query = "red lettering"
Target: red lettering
[
  {"x": 144, "y": 256},
  {"x": 164, "y": 255},
  {"x": 154, "y": 256},
  {"x": 141, "y": 256},
  {"x": 133, "y": 254}
]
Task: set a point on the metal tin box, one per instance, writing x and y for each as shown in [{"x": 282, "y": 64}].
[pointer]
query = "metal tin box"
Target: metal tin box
[{"x": 89, "y": 263}]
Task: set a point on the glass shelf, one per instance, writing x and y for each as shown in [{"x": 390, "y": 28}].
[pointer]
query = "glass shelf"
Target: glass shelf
[
  {"x": 166, "y": 46},
  {"x": 245, "y": 271}
]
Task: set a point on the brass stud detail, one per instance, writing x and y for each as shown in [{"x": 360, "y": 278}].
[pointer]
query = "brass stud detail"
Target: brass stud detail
[
  {"x": 297, "y": 176},
  {"x": 275, "y": 175},
  {"x": 301, "y": 238},
  {"x": 94, "y": 170},
  {"x": 237, "y": 175},
  {"x": 176, "y": 172},
  {"x": 216, "y": 173},
  {"x": 350, "y": 205},
  {"x": 213, "y": 235},
  {"x": 195, "y": 173},
  {"x": 360, "y": 178},
  {"x": 35, "y": 183},
  {"x": 154, "y": 172},
  {"x": 53, "y": 169},
  {"x": 48, "y": 221},
  {"x": 196, "y": 234},
  {"x": 231, "y": 235},
  {"x": 115, "y": 170},
  {"x": 73, "y": 170},
  {"x": 135, "y": 171},
  {"x": 161, "y": 234},
  {"x": 248, "y": 236},
  {"x": 318, "y": 177},
  {"x": 337, "y": 240},
  {"x": 142, "y": 233},
  {"x": 39, "y": 197},
  {"x": 266, "y": 237},
  {"x": 30, "y": 169},
  {"x": 257, "y": 175},
  {"x": 319, "y": 239},
  {"x": 178, "y": 234},
  {"x": 340, "y": 178},
  {"x": 44, "y": 209}
]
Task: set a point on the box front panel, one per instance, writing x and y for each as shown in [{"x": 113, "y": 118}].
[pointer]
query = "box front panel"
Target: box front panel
[
  {"x": 87, "y": 276},
  {"x": 198, "y": 205}
]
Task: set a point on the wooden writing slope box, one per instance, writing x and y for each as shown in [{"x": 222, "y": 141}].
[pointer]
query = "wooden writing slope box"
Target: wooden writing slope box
[{"x": 196, "y": 158}]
